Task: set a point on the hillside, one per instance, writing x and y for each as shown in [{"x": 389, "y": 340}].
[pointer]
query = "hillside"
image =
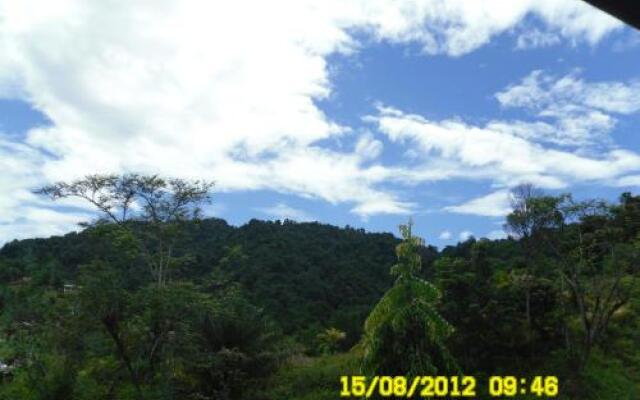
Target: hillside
[
  {"x": 282, "y": 305},
  {"x": 307, "y": 276}
]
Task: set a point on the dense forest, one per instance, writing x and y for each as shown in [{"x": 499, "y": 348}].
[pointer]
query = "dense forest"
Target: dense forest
[{"x": 158, "y": 302}]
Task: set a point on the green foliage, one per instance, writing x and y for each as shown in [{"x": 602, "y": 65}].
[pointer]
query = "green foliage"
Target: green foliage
[
  {"x": 304, "y": 378},
  {"x": 164, "y": 205},
  {"x": 405, "y": 334},
  {"x": 306, "y": 276},
  {"x": 82, "y": 318},
  {"x": 605, "y": 377},
  {"x": 100, "y": 339},
  {"x": 329, "y": 340}
]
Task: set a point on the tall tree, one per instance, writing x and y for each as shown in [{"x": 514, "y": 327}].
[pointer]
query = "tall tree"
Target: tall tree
[
  {"x": 533, "y": 214},
  {"x": 582, "y": 240},
  {"x": 600, "y": 270},
  {"x": 405, "y": 334},
  {"x": 162, "y": 205}
]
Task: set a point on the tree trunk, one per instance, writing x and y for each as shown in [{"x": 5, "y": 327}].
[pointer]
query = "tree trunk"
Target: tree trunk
[{"x": 111, "y": 325}]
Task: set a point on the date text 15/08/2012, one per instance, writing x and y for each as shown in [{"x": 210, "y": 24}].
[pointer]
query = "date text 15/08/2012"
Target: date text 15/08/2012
[{"x": 446, "y": 386}]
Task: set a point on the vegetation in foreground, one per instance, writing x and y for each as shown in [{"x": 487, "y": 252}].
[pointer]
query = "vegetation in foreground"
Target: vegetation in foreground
[{"x": 153, "y": 302}]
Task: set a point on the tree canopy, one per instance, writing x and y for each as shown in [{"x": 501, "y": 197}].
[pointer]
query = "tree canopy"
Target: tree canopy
[{"x": 280, "y": 309}]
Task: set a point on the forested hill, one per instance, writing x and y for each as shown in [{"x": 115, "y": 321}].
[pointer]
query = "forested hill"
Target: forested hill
[
  {"x": 307, "y": 276},
  {"x": 90, "y": 314}
]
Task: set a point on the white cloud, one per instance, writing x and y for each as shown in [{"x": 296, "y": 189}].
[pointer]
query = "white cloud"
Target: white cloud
[
  {"x": 552, "y": 96},
  {"x": 451, "y": 148},
  {"x": 507, "y": 153},
  {"x": 581, "y": 112},
  {"x": 535, "y": 38},
  {"x": 41, "y": 227},
  {"x": 630, "y": 180},
  {"x": 215, "y": 209},
  {"x": 445, "y": 235},
  {"x": 224, "y": 91},
  {"x": 496, "y": 204},
  {"x": 368, "y": 148},
  {"x": 284, "y": 211},
  {"x": 22, "y": 213},
  {"x": 497, "y": 234},
  {"x": 465, "y": 235},
  {"x": 456, "y": 27}
]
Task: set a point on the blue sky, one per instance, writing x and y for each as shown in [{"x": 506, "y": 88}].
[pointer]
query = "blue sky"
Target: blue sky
[{"x": 362, "y": 115}]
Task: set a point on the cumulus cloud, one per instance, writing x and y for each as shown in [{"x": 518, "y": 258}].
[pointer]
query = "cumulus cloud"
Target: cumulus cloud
[
  {"x": 225, "y": 91},
  {"x": 580, "y": 112},
  {"x": 465, "y": 235},
  {"x": 483, "y": 152},
  {"x": 507, "y": 153},
  {"x": 368, "y": 148},
  {"x": 284, "y": 211},
  {"x": 22, "y": 213},
  {"x": 535, "y": 38},
  {"x": 457, "y": 27},
  {"x": 550, "y": 95},
  {"x": 445, "y": 235},
  {"x": 496, "y": 204},
  {"x": 496, "y": 234},
  {"x": 630, "y": 180}
]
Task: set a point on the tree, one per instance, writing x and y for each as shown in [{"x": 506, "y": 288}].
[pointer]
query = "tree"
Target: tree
[
  {"x": 405, "y": 334},
  {"x": 533, "y": 214},
  {"x": 470, "y": 304},
  {"x": 140, "y": 217},
  {"x": 600, "y": 271},
  {"x": 102, "y": 299},
  {"x": 329, "y": 340},
  {"x": 581, "y": 239},
  {"x": 162, "y": 205}
]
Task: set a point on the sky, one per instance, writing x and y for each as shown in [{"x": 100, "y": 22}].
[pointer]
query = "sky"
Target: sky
[{"x": 359, "y": 112}]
